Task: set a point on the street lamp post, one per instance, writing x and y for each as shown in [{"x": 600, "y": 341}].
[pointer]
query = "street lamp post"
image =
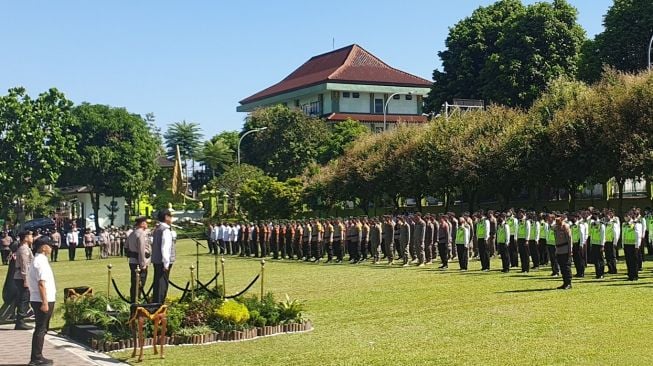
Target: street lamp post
[
  {"x": 385, "y": 108},
  {"x": 245, "y": 134}
]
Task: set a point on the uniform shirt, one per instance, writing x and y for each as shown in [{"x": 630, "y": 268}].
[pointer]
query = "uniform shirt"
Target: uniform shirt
[
  {"x": 56, "y": 238},
  {"x": 40, "y": 270},
  {"x": 483, "y": 229},
  {"x": 462, "y": 235},
  {"x": 504, "y": 230},
  {"x": 226, "y": 233},
  {"x": 139, "y": 243},
  {"x": 563, "y": 239},
  {"x": 597, "y": 234},
  {"x": 24, "y": 258},
  {"x": 72, "y": 238},
  {"x": 89, "y": 240}
]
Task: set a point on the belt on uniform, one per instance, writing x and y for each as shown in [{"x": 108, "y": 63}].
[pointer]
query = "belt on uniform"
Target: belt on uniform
[{"x": 562, "y": 245}]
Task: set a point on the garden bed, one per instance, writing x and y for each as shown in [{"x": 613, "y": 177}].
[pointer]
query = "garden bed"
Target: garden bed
[{"x": 103, "y": 323}]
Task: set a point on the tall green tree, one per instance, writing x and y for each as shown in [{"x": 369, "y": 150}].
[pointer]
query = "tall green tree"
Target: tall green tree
[
  {"x": 36, "y": 142},
  {"x": 624, "y": 42},
  {"x": 290, "y": 144},
  {"x": 506, "y": 53},
  {"x": 539, "y": 45},
  {"x": 230, "y": 138},
  {"x": 268, "y": 198},
  {"x": 215, "y": 155},
  {"x": 342, "y": 135},
  {"x": 117, "y": 153},
  {"x": 470, "y": 43},
  {"x": 188, "y": 136}
]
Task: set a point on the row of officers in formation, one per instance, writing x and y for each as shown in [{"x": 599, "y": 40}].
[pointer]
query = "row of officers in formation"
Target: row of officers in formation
[
  {"x": 110, "y": 241},
  {"x": 523, "y": 239}
]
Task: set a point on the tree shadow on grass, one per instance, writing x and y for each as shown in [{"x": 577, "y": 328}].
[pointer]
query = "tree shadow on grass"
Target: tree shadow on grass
[{"x": 526, "y": 290}]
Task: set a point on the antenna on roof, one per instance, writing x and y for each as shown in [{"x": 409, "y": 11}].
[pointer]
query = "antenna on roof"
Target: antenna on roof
[{"x": 333, "y": 43}]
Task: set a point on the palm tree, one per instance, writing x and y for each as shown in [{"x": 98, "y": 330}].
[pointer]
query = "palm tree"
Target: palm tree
[
  {"x": 186, "y": 135},
  {"x": 215, "y": 155}
]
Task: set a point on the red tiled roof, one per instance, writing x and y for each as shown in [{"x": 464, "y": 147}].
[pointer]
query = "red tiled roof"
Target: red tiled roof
[
  {"x": 362, "y": 117},
  {"x": 351, "y": 64}
]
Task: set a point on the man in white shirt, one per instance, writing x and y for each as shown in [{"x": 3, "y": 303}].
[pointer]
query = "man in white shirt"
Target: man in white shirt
[
  {"x": 72, "y": 239},
  {"x": 42, "y": 292},
  {"x": 226, "y": 234},
  {"x": 163, "y": 256}
]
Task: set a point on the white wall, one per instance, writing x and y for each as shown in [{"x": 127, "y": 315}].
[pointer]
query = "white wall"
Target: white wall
[
  {"x": 403, "y": 106},
  {"x": 355, "y": 105},
  {"x": 327, "y": 103}
]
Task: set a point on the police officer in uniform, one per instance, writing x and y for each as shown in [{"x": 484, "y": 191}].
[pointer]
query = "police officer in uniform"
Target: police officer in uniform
[{"x": 139, "y": 253}]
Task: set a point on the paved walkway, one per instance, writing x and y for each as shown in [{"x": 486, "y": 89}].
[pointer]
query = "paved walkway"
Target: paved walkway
[{"x": 61, "y": 350}]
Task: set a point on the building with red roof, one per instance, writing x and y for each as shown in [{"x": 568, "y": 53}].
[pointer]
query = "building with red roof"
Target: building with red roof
[{"x": 346, "y": 83}]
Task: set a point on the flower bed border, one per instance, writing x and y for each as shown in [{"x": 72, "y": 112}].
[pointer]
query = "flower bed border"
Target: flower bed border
[{"x": 222, "y": 336}]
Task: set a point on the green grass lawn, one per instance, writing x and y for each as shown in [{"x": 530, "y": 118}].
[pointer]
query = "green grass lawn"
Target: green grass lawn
[{"x": 365, "y": 314}]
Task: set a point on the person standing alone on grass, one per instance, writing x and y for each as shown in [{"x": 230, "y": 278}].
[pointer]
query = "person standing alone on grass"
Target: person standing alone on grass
[
  {"x": 42, "y": 291},
  {"x": 163, "y": 256},
  {"x": 563, "y": 240},
  {"x": 72, "y": 238},
  {"x": 56, "y": 244}
]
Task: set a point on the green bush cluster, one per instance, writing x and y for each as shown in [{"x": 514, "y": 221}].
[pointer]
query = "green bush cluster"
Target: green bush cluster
[{"x": 203, "y": 315}]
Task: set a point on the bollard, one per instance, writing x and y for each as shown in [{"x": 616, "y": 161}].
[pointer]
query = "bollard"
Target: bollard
[
  {"x": 262, "y": 276},
  {"x": 138, "y": 284},
  {"x": 215, "y": 263},
  {"x": 109, "y": 266},
  {"x": 224, "y": 285},
  {"x": 192, "y": 282}
]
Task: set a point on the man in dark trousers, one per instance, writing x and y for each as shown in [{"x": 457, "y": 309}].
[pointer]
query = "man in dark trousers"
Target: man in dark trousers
[
  {"x": 42, "y": 291},
  {"x": 72, "y": 239},
  {"x": 163, "y": 256},
  {"x": 139, "y": 252},
  {"x": 24, "y": 258},
  {"x": 563, "y": 243}
]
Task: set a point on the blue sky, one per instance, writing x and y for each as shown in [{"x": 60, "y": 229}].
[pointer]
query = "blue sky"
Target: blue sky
[{"x": 195, "y": 60}]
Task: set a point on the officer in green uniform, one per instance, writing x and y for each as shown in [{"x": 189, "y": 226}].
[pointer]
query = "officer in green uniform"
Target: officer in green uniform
[
  {"x": 631, "y": 237},
  {"x": 597, "y": 240},
  {"x": 503, "y": 237},
  {"x": 579, "y": 260}
]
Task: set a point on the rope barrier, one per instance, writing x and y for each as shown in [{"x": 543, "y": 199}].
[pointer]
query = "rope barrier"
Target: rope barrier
[
  {"x": 183, "y": 295},
  {"x": 115, "y": 287},
  {"x": 246, "y": 288}
]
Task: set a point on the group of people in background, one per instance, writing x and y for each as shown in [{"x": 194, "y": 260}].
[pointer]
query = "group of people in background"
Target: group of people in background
[
  {"x": 110, "y": 241},
  {"x": 525, "y": 240}
]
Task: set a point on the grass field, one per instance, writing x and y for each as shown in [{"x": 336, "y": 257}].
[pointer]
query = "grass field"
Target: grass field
[{"x": 380, "y": 315}]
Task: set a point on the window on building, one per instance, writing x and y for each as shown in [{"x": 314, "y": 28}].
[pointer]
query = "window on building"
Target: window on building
[
  {"x": 378, "y": 129},
  {"x": 409, "y": 97},
  {"x": 345, "y": 94},
  {"x": 396, "y": 96},
  {"x": 296, "y": 102},
  {"x": 378, "y": 105},
  {"x": 355, "y": 95}
]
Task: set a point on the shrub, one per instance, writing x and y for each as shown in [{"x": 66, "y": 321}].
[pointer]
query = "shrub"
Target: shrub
[
  {"x": 196, "y": 314},
  {"x": 266, "y": 308},
  {"x": 233, "y": 312},
  {"x": 291, "y": 310}
]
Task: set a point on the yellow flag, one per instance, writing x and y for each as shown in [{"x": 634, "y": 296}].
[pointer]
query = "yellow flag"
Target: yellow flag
[{"x": 177, "y": 180}]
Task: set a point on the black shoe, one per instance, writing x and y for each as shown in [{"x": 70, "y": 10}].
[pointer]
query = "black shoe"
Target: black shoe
[
  {"x": 564, "y": 287},
  {"x": 554, "y": 275},
  {"x": 23, "y": 326},
  {"x": 599, "y": 277},
  {"x": 579, "y": 275},
  {"x": 42, "y": 361}
]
